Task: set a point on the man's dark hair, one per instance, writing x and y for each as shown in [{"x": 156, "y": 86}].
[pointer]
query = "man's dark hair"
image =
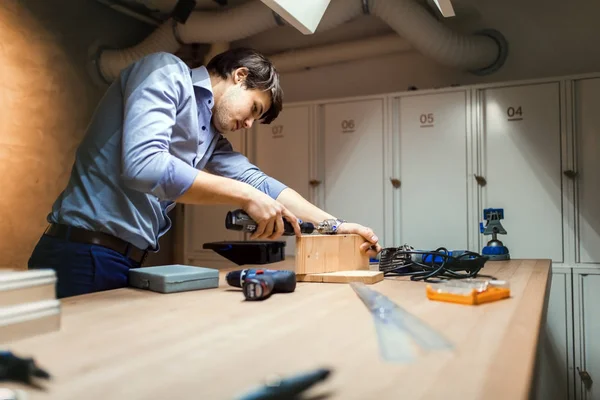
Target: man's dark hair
[{"x": 262, "y": 75}]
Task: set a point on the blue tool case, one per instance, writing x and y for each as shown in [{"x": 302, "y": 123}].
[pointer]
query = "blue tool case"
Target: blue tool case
[{"x": 173, "y": 278}]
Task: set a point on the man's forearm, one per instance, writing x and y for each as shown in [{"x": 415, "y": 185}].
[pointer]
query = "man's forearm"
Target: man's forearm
[
  {"x": 212, "y": 189},
  {"x": 301, "y": 207}
]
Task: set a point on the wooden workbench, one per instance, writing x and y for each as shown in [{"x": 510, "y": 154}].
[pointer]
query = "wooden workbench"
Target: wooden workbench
[{"x": 210, "y": 344}]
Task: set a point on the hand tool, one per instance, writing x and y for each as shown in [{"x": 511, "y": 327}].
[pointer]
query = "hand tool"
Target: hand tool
[
  {"x": 239, "y": 220},
  {"x": 259, "y": 284},
  {"x": 288, "y": 388},
  {"x": 17, "y": 369},
  {"x": 495, "y": 249}
]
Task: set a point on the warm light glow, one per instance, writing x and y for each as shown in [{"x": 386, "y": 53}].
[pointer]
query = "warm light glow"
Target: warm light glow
[{"x": 43, "y": 111}]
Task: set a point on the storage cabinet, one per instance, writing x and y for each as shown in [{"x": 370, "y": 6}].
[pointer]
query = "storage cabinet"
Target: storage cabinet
[
  {"x": 432, "y": 139},
  {"x": 586, "y": 274},
  {"x": 282, "y": 150},
  {"x": 351, "y": 162},
  {"x": 586, "y": 290},
  {"x": 520, "y": 161},
  {"x": 554, "y": 378},
  {"x": 587, "y": 178}
]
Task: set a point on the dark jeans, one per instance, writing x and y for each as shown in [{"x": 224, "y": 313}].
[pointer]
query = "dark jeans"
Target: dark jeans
[{"x": 81, "y": 268}]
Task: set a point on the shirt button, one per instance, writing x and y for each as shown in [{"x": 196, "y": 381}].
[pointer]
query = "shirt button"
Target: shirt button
[
  {"x": 203, "y": 128},
  {"x": 210, "y": 101}
]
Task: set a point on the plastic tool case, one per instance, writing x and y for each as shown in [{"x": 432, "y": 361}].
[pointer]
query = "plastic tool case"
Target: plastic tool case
[
  {"x": 173, "y": 278},
  {"x": 249, "y": 252}
]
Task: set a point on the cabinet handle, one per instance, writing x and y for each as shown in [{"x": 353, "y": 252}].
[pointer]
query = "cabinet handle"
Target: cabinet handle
[
  {"x": 585, "y": 377},
  {"x": 570, "y": 174},
  {"x": 314, "y": 182},
  {"x": 480, "y": 180},
  {"x": 395, "y": 182}
]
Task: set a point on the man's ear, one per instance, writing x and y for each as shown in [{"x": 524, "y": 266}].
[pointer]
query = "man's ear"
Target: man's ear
[{"x": 240, "y": 75}]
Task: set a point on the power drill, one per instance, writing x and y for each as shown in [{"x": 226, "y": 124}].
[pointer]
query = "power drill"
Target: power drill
[
  {"x": 259, "y": 284},
  {"x": 239, "y": 220}
]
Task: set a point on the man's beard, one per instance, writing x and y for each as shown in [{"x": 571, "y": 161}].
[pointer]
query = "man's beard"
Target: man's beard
[
  {"x": 221, "y": 120},
  {"x": 221, "y": 116}
]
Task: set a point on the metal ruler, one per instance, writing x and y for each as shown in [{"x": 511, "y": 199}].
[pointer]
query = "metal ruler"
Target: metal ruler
[{"x": 400, "y": 333}]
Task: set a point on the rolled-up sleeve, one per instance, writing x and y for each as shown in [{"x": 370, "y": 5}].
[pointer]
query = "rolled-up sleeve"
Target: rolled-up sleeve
[
  {"x": 152, "y": 92},
  {"x": 231, "y": 164}
]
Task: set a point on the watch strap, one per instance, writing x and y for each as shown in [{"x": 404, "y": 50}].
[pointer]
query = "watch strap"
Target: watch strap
[{"x": 330, "y": 226}]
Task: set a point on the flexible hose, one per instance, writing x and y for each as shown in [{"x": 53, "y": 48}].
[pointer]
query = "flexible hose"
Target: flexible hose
[{"x": 433, "y": 39}]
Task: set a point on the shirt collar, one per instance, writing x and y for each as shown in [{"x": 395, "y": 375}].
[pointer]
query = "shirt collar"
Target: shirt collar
[{"x": 201, "y": 79}]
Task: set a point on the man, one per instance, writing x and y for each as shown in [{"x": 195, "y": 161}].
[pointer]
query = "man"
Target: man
[{"x": 155, "y": 140}]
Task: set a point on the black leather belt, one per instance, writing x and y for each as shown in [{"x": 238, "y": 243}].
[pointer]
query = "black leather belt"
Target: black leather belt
[{"x": 98, "y": 238}]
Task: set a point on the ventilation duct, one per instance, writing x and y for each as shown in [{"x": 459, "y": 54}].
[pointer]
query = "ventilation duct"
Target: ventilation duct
[
  {"x": 480, "y": 53},
  {"x": 340, "y": 52}
]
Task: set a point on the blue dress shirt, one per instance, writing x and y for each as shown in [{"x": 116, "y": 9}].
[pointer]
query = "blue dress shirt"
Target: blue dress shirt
[{"x": 147, "y": 139}]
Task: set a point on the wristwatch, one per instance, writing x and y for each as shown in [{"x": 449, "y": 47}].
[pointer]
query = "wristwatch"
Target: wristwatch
[{"x": 329, "y": 226}]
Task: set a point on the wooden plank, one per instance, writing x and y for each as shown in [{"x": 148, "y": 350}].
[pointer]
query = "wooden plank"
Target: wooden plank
[
  {"x": 20, "y": 287},
  {"x": 29, "y": 319},
  {"x": 136, "y": 344},
  {"x": 366, "y": 277},
  {"x": 330, "y": 253}
]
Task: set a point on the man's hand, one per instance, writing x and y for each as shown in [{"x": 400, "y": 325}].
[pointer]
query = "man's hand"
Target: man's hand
[
  {"x": 371, "y": 246},
  {"x": 268, "y": 215}
]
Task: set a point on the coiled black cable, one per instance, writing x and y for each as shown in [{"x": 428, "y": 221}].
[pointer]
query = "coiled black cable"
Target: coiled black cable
[{"x": 430, "y": 266}]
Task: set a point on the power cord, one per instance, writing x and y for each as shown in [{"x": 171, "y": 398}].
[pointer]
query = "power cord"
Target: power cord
[{"x": 431, "y": 266}]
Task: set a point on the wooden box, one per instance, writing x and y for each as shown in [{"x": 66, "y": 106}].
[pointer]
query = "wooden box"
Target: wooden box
[{"x": 330, "y": 253}]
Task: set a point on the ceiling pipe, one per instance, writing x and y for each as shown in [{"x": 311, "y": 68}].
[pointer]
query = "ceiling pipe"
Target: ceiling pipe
[
  {"x": 110, "y": 62},
  {"x": 481, "y": 53},
  {"x": 295, "y": 60}
]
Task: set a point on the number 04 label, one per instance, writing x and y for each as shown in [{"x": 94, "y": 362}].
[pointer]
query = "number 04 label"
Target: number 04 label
[{"x": 514, "y": 113}]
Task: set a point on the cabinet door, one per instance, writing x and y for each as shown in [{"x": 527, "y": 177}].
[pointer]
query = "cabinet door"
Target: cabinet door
[
  {"x": 554, "y": 378},
  {"x": 522, "y": 166},
  {"x": 206, "y": 223},
  {"x": 587, "y": 128},
  {"x": 433, "y": 171},
  {"x": 353, "y": 162},
  {"x": 587, "y": 325},
  {"x": 281, "y": 150}
]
